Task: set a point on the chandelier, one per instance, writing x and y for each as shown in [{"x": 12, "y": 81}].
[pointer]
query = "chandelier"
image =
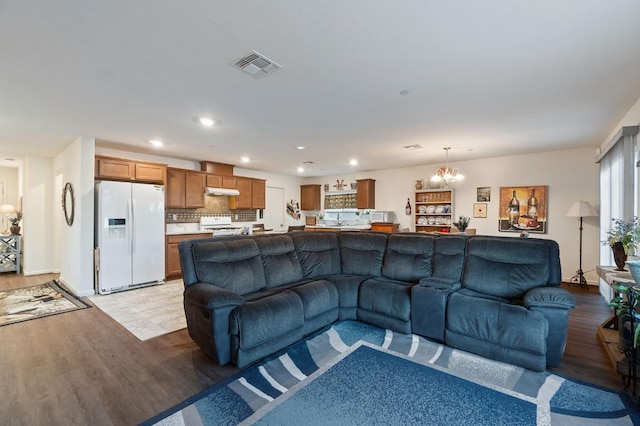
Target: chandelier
[{"x": 446, "y": 174}]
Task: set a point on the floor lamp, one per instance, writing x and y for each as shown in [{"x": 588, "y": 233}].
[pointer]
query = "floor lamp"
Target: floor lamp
[{"x": 581, "y": 209}]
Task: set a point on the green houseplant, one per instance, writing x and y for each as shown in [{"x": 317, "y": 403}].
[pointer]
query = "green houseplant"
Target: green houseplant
[
  {"x": 623, "y": 238},
  {"x": 462, "y": 223},
  {"x": 625, "y": 303}
]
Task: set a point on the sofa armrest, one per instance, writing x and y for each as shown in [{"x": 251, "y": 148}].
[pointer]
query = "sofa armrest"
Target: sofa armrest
[
  {"x": 207, "y": 309},
  {"x": 549, "y": 297},
  {"x": 440, "y": 283},
  {"x": 209, "y": 296},
  {"x": 554, "y": 303}
]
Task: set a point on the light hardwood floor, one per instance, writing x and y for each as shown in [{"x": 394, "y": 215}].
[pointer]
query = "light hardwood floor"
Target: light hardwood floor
[{"x": 84, "y": 368}]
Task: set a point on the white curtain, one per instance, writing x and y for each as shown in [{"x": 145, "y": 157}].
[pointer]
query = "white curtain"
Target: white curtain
[{"x": 618, "y": 189}]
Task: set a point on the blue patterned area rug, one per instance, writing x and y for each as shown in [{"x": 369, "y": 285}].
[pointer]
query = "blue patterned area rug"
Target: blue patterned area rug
[{"x": 354, "y": 373}]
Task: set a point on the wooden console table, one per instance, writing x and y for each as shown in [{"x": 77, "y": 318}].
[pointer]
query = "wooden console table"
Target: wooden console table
[{"x": 608, "y": 330}]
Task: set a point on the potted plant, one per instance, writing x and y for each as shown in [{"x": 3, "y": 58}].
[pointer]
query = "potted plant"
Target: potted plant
[
  {"x": 15, "y": 223},
  {"x": 623, "y": 238},
  {"x": 625, "y": 303},
  {"x": 462, "y": 223}
]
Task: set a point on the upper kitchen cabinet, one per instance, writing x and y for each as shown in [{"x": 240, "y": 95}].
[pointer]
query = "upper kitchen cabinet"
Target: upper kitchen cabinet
[
  {"x": 218, "y": 181},
  {"x": 309, "y": 197},
  {"x": 185, "y": 188},
  {"x": 259, "y": 197},
  {"x": 120, "y": 169},
  {"x": 366, "y": 193},
  {"x": 242, "y": 201},
  {"x": 252, "y": 194}
]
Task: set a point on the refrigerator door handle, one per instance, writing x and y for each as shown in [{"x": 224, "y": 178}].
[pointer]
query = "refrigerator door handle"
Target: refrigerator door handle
[{"x": 131, "y": 224}]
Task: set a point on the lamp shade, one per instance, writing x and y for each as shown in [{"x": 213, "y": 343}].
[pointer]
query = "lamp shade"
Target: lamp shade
[
  {"x": 7, "y": 208},
  {"x": 582, "y": 209}
]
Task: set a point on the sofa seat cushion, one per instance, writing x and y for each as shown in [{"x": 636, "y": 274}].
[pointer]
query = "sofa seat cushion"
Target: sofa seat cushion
[
  {"x": 504, "y": 268},
  {"x": 234, "y": 265},
  {"x": 280, "y": 260},
  {"x": 388, "y": 297},
  {"x": 362, "y": 252},
  {"x": 408, "y": 257},
  {"x": 506, "y": 325},
  {"x": 267, "y": 318},
  {"x": 318, "y": 253}
]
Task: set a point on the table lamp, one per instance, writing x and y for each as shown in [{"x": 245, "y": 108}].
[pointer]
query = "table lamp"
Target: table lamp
[{"x": 6, "y": 209}]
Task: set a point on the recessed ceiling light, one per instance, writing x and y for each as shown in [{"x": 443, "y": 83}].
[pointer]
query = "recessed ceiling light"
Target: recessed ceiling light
[
  {"x": 300, "y": 147},
  {"x": 156, "y": 142},
  {"x": 353, "y": 162},
  {"x": 245, "y": 159},
  {"x": 300, "y": 169},
  {"x": 206, "y": 121}
]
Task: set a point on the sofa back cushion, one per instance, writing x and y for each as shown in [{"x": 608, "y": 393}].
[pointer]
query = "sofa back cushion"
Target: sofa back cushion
[
  {"x": 231, "y": 264},
  {"x": 279, "y": 258},
  {"x": 505, "y": 267},
  {"x": 448, "y": 257},
  {"x": 318, "y": 253},
  {"x": 361, "y": 253},
  {"x": 408, "y": 257}
]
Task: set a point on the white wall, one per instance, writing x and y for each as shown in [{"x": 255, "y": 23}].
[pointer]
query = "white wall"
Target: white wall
[
  {"x": 75, "y": 246},
  {"x": 570, "y": 175},
  {"x": 37, "y": 207}
]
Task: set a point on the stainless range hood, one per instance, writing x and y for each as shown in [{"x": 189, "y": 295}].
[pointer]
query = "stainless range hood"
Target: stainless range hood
[{"x": 221, "y": 191}]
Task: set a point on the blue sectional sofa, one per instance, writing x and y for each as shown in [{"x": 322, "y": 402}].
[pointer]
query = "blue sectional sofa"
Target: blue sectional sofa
[{"x": 249, "y": 296}]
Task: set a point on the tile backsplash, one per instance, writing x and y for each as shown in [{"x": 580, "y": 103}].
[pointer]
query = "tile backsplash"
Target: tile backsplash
[{"x": 214, "y": 206}]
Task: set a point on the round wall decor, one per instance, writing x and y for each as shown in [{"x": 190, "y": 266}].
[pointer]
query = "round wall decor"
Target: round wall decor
[{"x": 68, "y": 203}]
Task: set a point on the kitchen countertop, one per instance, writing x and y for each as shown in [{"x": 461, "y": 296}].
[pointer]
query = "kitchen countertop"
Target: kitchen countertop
[{"x": 342, "y": 227}]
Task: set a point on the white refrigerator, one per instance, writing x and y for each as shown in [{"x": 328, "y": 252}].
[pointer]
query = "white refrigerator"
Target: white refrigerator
[{"x": 129, "y": 236}]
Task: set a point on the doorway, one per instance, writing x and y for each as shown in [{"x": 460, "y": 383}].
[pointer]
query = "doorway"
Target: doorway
[{"x": 274, "y": 209}]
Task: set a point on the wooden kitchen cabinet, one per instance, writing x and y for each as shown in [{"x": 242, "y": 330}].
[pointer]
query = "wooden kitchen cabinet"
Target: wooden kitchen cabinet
[
  {"x": 309, "y": 197},
  {"x": 214, "y": 181},
  {"x": 120, "y": 169},
  {"x": 172, "y": 255},
  {"x": 252, "y": 194},
  {"x": 218, "y": 181},
  {"x": 242, "y": 201},
  {"x": 184, "y": 189},
  {"x": 366, "y": 193},
  {"x": 259, "y": 193}
]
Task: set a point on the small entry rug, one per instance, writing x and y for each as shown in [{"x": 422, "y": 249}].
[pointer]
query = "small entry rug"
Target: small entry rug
[
  {"x": 354, "y": 373},
  {"x": 27, "y": 303}
]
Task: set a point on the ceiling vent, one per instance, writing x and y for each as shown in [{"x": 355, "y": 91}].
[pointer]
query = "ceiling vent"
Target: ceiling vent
[
  {"x": 257, "y": 65},
  {"x": 412, "y": 147}
]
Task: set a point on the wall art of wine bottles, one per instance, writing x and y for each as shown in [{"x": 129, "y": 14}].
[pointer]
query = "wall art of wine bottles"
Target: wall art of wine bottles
[{"x": 523, "y": 208}]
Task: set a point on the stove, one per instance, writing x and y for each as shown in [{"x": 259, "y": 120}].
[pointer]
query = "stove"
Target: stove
[{"x": 221, "y": 225}]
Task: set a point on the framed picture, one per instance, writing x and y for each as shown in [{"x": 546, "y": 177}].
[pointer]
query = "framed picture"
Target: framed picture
[
  {"x": 480, "y": 210},
  {"x": 484, "y": 194},
  {"x": 523, "y": 209}
]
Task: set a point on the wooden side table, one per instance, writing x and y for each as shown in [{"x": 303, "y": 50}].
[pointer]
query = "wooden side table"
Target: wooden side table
[{"x": 10, "y": 253}]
